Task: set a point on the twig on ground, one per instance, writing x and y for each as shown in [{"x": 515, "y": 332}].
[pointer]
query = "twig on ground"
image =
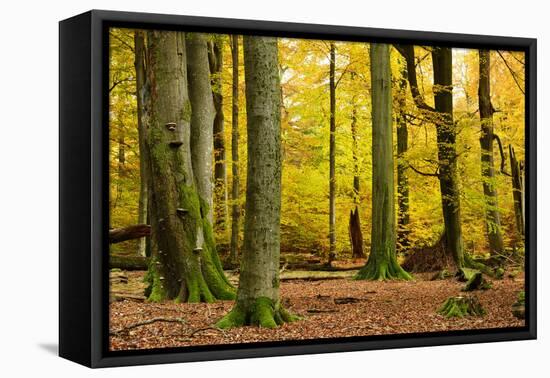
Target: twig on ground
[{"x": 147, "y": 322}]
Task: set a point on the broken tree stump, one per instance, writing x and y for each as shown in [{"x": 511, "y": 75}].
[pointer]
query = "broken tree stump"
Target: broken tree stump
[{"x": 461, "y": 306}]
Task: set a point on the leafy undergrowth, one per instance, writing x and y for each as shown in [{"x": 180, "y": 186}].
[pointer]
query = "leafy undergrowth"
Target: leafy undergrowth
[{"x": 330, "y": 308}]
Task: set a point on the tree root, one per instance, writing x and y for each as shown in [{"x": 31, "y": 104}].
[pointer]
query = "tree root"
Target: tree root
[
  {"x": 382, "y": 272},
  {"x": 262, "y": 313},
  {"x": 461, "y": 307}
]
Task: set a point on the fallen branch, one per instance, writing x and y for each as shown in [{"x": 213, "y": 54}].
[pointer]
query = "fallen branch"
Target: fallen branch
[
  {"x": 319, "y": 311},
  {"x": 205, "y": 329},
  {"x": 118, "y": 235},
  {"x": 147, "y": 322}
]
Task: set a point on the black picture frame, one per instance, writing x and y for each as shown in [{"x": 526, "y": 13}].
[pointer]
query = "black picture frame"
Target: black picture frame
[{"x": 83, "y": 196}]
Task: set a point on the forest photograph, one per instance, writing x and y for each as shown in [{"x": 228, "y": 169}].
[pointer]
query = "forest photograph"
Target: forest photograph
[{"x": 273, "y": 189}]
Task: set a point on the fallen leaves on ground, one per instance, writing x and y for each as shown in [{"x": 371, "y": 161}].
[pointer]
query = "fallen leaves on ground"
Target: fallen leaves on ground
[{"x": 329, "y": 308}]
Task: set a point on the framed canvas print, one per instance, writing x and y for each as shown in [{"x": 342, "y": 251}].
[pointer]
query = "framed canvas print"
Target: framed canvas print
[{"x": 234, "y": 188}]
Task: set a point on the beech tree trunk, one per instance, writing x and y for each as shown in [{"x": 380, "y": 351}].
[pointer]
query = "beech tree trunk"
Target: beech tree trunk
[
  {"x": 220, "y": 170},
  {"x": 185, "y": 265},
  {"x": 382, "y": 263},
  {"x": 202, "y": 119},
  {"x": 446, "y": 150},
  {"x": 403, "y": 216},
  {"x": 486, "y": 110},
  {"x": 235, "y": 184},
  {"x": 142, "y": 93},
  {"x": 332, "y": 157},
  {"x": 258, "y": 293}
]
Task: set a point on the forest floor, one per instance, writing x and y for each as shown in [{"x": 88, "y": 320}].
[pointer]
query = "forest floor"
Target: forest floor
[{"x": 334, "y": 306}]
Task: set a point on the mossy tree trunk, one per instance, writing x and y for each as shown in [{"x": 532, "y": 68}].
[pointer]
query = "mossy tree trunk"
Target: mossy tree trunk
[
  {"x": 258, "y": 293},
  {"x": 235, "y": 183},
  {"x": 215, "y": 58},
  {"x": 142, "y": 93},
  {"x": 486, "y": 110},
  {"x": 446, "y": 151},
  {"x": 184, "y": 266},
  {"x": 382, "y": 263}
]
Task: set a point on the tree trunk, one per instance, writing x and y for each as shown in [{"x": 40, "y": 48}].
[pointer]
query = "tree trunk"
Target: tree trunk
[
  {"x": 403, "y": 216},
  {"x": 235, "y": 184},
  {"x": 258, "y": 294},
  {"x": 142, "y": 93},
  {"x": 356, "y": 235},
  {"x": 517, "y": 190},
  {"x": 332, "y": 169},
  {"x": 446, "y": 151},
  {"x": 492, "y": 214},
  {"x": 202, "y": 119},
  {"x": 220, "y": 170},
  {"x": 185, "y": 265},
  {"x": 382, "y": 263}
]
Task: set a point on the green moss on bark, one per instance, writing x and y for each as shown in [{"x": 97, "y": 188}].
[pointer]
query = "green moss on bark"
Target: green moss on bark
[
  {"x": 262, "y": 313},
  {"x": 387, "y": 269},
  {"x": 461, "y": 307}
]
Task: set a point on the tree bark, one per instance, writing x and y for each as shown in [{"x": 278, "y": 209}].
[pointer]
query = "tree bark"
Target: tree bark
[
  {"x": 258, "y": 293},
  {"x": 446, "y": 150},
  {"x": 235, "y": 184},
  {"x": 220, "y": 170},
  {"x": 142, "y": 93},
  {"x": 202, "y": 119},
  {"x": 486, "y": 110},
  {"x": 382, "y": 263},
  {"x": 403, "y": 216},
  {"x": 332, "y": 157},
  {"x": 185, "y": 265}
]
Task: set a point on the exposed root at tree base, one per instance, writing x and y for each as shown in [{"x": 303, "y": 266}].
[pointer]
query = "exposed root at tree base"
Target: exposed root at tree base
[
  {"x": 382, "y": 272},
  {"x": 263, "y": 313}
]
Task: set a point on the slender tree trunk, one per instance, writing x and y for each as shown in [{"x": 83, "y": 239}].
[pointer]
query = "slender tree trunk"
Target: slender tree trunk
[
  {"x": 517, "y": 191},
  {"x": 446, "y": 150},
  {"x": 185, "y": 266},
  {"x": 220, "y": 170},
  {"x": 142, "y": 93},
  {"x": 382, "y": 263},
  {"x": 403, "y": 216},
  {"x": 332, "y": 163},
  {"x": 492, "y": 214},
  {"x": 258, "y": 294},
  {"x": 356, "y": 235},
  {"x": 121, "y": 160},
  {"x": 235, "y": 184}
]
